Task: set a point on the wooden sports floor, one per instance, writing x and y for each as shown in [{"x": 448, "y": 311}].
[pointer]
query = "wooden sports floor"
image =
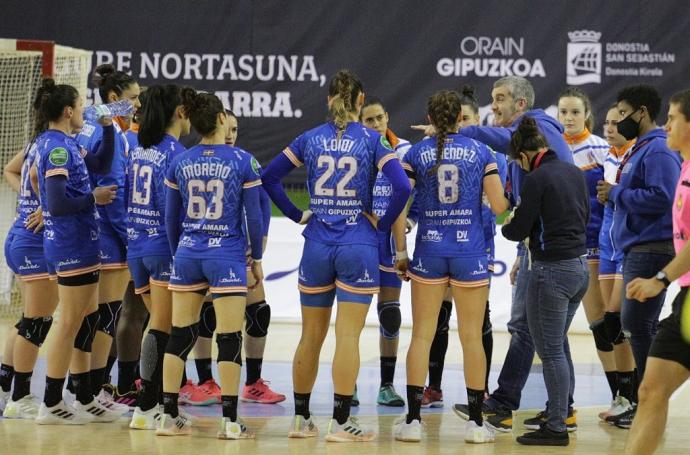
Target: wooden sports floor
[{"x": 270, "y": 422}]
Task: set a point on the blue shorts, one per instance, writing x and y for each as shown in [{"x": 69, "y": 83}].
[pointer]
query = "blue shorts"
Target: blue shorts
[
  {"x": 113, "y": 251},
  {"x": 611, "y": 269},
  {"x": 149, "y": 270},
  {"x": 8, "y": 257},
  {"x": 220, "y": 276},
  {"x": 29, "y": 259},
  {"x": 68, "y": 266},
  {"x": 490, "y": 253},
  {"x": 463, "y": 272},
  {"x": 349, "y": 271}
]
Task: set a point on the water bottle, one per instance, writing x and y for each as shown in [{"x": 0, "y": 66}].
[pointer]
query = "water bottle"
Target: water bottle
[{"x": 118, "y": 108}]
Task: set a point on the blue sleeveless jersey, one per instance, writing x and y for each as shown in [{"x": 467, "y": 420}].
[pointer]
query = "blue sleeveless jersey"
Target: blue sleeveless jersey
[
  {"x": 449, "y": 197},
  {"x": 27, "y": 199},
  {"x": 146, "y": 235},
  {"x": 211, "y": 179},
  {"x": 341, "y": 172}
]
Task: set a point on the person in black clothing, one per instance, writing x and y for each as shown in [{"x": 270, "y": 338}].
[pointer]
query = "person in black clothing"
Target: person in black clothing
[{"x": 552, "y": 216}]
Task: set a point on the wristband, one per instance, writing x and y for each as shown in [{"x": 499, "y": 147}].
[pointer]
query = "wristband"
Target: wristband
[{"x": 401, "y": 255}]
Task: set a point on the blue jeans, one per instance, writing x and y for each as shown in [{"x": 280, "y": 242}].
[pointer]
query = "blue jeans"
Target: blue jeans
[
  {"x": 520, "y": 355},
  {"x": 554, "y": 293},
  {"x": 640, "y": 319}
]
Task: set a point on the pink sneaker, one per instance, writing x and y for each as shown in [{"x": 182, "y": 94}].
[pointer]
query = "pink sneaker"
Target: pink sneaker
[
  {"x": 212, "y": 388},
  {"x": 260, "y": 392},
  {"x": 194, "y": 395}
]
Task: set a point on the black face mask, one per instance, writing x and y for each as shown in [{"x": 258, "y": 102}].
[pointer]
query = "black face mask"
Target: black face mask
[{"x": 629, "y": 128}]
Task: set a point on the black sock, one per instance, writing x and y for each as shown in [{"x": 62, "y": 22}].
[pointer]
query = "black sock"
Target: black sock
[
  {"x": 475, "y": 400},
  {"x": 387, "y": 370},
  {"x": 149, "y": 395},
  {"x": 6, "y": 375},
  {"x": 229, "y": 403},
  {"x": 488, "y": 345},
  {"x": 183, "y": 382},
  {"x": 253, "y": 370},
  {"x": 170, "y": 403},
  {"x": 22, "y": 385},
  {"x": 126, "y": 374},
  {"x": 626, "y": 385},
  {"x": 53, "y": 393},
  {"x": 302, "y": 404},
  {"x": 203, "y": 369},
  {"x": 70, "y": 385},
  {"x": 97, "y": 380},
  {"x": 636, "y": 385},
  {"x": 82, "y": 387},
  {"x": 612, "y": 378},
  {"x": 414, "y": 403},
  {"x": 341, "y": 407},
  {"x": 109, "y": 367},
  {"x": 437, "y": 359}
]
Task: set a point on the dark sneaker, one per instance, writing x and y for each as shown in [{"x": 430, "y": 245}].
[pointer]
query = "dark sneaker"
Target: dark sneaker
[
  {"x": 501, "y": 421},
  {"x": 536, "y": 422},
  {"x": 625, "y": 420},
  {"x": 544, "y": 437}
]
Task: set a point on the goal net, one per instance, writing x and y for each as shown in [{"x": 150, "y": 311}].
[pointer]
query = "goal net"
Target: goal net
[{"x": 23, "y": 64}]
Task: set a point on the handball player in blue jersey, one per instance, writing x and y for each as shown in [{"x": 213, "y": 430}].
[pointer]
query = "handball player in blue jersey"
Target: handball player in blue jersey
[
  {"x": 24, "y": 255},
  {"x": 148, "y": 253},
  {"x": 71, "y": 247},
  {"x": 112, "y": 86},
  {"x": 340, "y": 254},
  {"x": 211, "y": 187},
  {"x": 450, "y": 174}
]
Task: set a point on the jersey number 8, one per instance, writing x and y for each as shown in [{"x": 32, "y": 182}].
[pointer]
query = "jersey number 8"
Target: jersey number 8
[
  {"x": 329, "y": 162},
  {"x": 448, "y": 188},
  {"x": 197, "y": 208}
]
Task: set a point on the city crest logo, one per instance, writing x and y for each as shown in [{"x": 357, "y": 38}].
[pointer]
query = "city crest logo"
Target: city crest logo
[{"x": 584, "y": 58}]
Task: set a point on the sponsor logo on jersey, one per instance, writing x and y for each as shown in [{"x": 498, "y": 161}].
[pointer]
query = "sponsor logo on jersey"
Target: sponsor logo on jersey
[
  {"x": 256, "y": 167},
  {"x": 231, "y": 278},
  {"x": 366, "y": 278},
  {"x": 58, "y": 156},
  {"x": 187, "y": 242},
  {"x": 419, "y": 267},
  {"x": 461, "y": 236},
  {"x": 71, "y": 261},
  {"x": 208, "y": 152},
  {"x": 28, "y": 265},
  {"x": 152, "y": 232},
  {"x": 385, "y": 143},
  {"x": 214, "y": 242},
  {"x": 432, "y": 236},
  {"x": 301, "y": 275}
]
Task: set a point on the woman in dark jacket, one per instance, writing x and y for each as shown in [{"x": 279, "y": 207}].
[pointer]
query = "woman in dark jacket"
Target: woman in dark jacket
[{"x": 552, "y": 215}]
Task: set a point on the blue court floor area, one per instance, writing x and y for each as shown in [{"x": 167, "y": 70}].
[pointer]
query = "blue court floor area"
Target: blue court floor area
[{"x": 591, "y": 389}]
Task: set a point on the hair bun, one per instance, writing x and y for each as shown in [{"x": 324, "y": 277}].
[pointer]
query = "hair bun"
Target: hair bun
[
  {"x": 528, "y": 127},
  {"x": 101, "y": 73}
]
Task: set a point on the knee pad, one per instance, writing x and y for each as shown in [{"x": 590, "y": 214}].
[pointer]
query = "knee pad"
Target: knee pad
[
  {"x": 614, "y": 329},
  {"x": 207, "y": 321},
  {"x": 230, "y": 347},
  {"x": 182, "y": 340},
  {"x": 34, "y": 330},
  {"x": 87, "y": 331},
  {"x": 258, "y": 317},
  {"x": 19, "y": 322},
  {"x": 486, "y": 325},
  {"x": 389, "y": 319},
  {"x": 108, "y": 312},
  {"x": 601, "y": 338},
  {"x": 444, "y": 317}
]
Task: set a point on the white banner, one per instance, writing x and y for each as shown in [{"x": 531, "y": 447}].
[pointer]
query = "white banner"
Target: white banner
[{"x": 283, "y": 255}]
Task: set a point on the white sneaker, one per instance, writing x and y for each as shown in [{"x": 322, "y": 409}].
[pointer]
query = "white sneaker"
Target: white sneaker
[
  {"x": 407, "y": 432},
  {"x": 192, "y": 419},
  {"x": 106, "y": 400},
  {"x": 233, "y": 430},
  {"x": 62, "y": 414},
  {"x": 620, "y": 406},
  {"x": 101, "y": 414},
  {"x": 303, "y": 428},
  {"x": 145, "y": 420},
  {"x": 350, "y": 431},
  {"x": 4, "y": 398},
  {"x": 478, "y": 435},
  {"x": 173, "y": 426},
  {"x": 24, "y": 408}
]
